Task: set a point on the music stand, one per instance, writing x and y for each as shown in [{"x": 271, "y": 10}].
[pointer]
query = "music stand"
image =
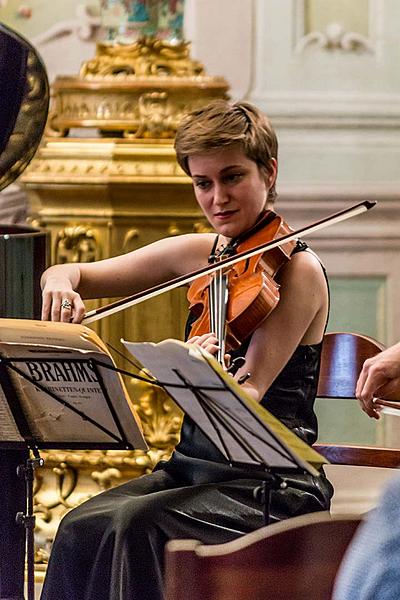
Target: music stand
[
  {"x": 247, "y": 435},
  {"x": 17, "y": 376}
]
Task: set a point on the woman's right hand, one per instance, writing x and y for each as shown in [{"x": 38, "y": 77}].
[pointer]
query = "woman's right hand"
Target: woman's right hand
[
  {"x": 379, "y": 378},
  {"x": 60, "y": 302}
]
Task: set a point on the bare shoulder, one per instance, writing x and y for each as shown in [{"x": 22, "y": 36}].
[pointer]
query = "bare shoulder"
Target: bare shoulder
[
  {"x": 304, "y": 296},
  {"x": 304, "y": 267},
  {"x": 303, "y": 280}
]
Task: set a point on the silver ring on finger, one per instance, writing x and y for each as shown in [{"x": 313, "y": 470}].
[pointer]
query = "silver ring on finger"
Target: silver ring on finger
[{"x": 66, "y": 304}]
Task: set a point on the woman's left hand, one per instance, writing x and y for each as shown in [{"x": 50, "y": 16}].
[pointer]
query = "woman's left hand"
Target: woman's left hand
[{"x": 208, "y": 341}]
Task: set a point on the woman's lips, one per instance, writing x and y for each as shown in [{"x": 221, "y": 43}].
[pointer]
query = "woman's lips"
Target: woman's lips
[{"x": 226, "y": 214}]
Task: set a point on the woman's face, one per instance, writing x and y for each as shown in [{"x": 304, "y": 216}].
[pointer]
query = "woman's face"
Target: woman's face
[{"x": 230, "y": 188}]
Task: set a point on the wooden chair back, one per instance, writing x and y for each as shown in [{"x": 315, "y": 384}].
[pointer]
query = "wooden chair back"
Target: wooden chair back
[
  {"x": 343, "y": 355},
  {"x": 297, "y": 559},
  {"x": 356, "y": 491}
]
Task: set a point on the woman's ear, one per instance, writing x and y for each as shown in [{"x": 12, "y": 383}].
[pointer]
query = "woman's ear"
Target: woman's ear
[{"x": 272, "y": 172}]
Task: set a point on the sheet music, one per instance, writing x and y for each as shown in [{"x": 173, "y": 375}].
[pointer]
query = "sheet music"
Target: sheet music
[
  {"x": 62, "y": 359},
  {"x": 8, "y": 428},
  {"x": 246, "y": 431}
]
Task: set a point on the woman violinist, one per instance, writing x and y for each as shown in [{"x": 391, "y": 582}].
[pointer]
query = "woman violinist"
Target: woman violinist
[{"x": 112, "y": 546}]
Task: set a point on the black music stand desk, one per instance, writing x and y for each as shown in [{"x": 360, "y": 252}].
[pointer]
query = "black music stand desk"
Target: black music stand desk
[
  {"x": 55, "y": 395},
  {"x": 246, "y": 434}
]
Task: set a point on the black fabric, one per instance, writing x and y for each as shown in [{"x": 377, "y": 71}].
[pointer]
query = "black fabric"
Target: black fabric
[{"x": 112, "y": 547}]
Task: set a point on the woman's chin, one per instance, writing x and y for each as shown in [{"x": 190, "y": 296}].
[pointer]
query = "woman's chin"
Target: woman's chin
[{"x": 231, "y": 230}]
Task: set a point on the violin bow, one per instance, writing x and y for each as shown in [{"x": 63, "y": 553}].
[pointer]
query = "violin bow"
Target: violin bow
[{"x": 109, "y": 309}]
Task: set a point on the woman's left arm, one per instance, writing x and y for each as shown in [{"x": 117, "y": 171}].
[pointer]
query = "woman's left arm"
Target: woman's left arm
[{"x": 299, "y": 318}]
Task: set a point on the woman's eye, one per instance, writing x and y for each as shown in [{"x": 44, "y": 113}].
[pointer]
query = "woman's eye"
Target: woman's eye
[
  {"x": 203, "y": 185},
  {"x": 234, "y": 177}
]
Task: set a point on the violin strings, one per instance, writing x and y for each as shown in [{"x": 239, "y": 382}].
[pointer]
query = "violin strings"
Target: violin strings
[
  {"x": 218, "y": 301},
  {"x": 219, "y": 312},
  {"x": 224, "y": 302}
]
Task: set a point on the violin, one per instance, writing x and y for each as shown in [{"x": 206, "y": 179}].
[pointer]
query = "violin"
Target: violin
[
  {"x": 105, "y": 311},
  {"x": 233, "y": 302}
]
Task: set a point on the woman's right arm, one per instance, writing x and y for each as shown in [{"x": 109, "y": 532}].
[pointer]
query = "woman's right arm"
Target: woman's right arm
[{"x": 121, "y": 275}]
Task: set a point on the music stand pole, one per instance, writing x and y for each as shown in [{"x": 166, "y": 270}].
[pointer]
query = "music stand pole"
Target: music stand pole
[
  {"x": 27, "y": 472},
  {"x": 262, "y": 494}
]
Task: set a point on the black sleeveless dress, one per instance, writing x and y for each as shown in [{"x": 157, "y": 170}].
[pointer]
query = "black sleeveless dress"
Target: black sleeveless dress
[{"x": 112, "y": 547}]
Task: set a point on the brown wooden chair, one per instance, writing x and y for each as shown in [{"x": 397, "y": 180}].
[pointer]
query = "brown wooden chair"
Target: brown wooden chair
[
  {"x": 361, "y": 456},
  {"x": 296, "y": 559},
  {"x": 343, "y": 355}
]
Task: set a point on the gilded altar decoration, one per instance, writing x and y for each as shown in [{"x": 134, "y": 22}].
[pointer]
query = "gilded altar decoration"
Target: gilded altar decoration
[
  {"x": 146, "y": 58},
  {"x": 142, "y": 79},
  {"x": 76, "y": 244},
  {"x": 139, "y": 90}
]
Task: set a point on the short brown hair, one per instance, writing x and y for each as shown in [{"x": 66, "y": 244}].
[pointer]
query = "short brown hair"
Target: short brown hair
[{"x": 220, "y": 124}]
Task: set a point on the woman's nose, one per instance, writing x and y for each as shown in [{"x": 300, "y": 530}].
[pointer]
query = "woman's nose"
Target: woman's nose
[{"x": 220, "y": 194}]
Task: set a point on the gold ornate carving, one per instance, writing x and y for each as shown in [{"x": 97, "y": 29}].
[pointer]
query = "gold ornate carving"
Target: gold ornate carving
[
  {"x": 202, "y": 227},
  {"x": 122, "y": 106},
  {"x": 146, "y": 57},
  {"x": 141, "y": 90},
  {"x": 174, "y": 229},
  {"x": 76, "y": 244},
  {"x": 155, "y": 116},
  {"x": 60, "y": 487},
  {"x": 160, "y": 417},
  {"x": 66, "y": 479},
  {"x": 107, "y": 478},
  {"x": 129, "y": 238},
  {"x": 88, "y": 168}
]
